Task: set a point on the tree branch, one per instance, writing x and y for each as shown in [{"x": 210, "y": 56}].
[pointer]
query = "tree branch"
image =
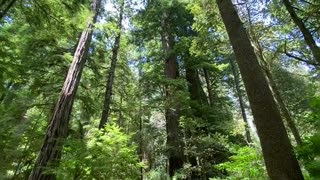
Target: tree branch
[{"x": 298, "y": 58}]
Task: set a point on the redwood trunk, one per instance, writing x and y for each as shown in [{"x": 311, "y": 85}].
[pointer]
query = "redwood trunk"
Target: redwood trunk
[
  {"x": 235, "y": 72},
  {"x": 279, "y": 157},
  {"x": 114, "y": 59},
  {"x": 51, "y": 149},
  {"x": 305, "y": 32},
  {"x": 174, "y": 138}
]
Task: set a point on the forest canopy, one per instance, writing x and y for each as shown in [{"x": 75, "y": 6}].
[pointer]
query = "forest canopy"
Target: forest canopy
[{"x": 160, "y": 89}]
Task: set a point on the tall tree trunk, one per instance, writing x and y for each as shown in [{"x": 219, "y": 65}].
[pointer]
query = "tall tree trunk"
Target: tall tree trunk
[
  {"x": 114, "y": 59},
  {"x": 305, "y": 32},
  {"x": 141, "y": 151},
  {"x": 279, "y": 157},
  {"x": 174, "y": 138},
  {"x": 51, "y": 149},
  {"x": 274, "y": 88},
  {"x": 208, "y": 83},
  {"x": 6, "y": 9},
  {"x": 235, "y": 73}
]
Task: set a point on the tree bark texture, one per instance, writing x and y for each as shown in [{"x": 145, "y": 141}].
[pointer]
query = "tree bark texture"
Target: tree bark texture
[
  {"x": 110, "y": 78},
  {"x": 51, "y": 149},
  {"x": 236, "y": 76},
  {"x": 279, "y": 157},
  {"x": 305, "y": 32},
  {"x": 174, "y": 138}
]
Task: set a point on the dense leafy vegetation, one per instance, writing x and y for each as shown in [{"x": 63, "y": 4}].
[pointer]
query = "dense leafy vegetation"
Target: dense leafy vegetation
[{"x": 158, "y": 89}]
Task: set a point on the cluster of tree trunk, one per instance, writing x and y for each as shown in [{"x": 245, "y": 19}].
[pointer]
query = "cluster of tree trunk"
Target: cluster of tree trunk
[{"x": 264, "y": 97}]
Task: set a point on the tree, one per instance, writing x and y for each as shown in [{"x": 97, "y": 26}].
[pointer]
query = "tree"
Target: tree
[
  {"x": 304, "y": 30},
  {"x": 171, "y": 70},
  {"x": 280, "y": 160},
  {"x": 115, "y": 51},
  {"x": 235, "y": 73},
  {"x": 57, "y": 131}
]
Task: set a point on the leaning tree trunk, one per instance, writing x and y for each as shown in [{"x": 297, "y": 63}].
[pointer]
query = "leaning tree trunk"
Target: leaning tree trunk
[
  {"x": 305, "y": 32},
  {"x": 283, "y": 108},
  {"x": 285, "y": 111},
  {"x": 274, "y": 88},
  {"x": 174, "y": 139},
  {"x": 5, "y": 8},
  {"x": 114, "y": 59},
  {"x": 235, "y": 72},
  {"x": 279, "y": 157},
  {"x": 51, "y": 149}
]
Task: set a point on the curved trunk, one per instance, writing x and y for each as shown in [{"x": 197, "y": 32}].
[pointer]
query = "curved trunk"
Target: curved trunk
[
  {"x": 278, "y": 154},
  {"x": 57, "y": 130}
]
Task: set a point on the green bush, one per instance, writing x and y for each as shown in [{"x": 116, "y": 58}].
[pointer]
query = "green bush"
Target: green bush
[
  {"x": 107, "y": 154},
  {"x": 246, "y": 163}
]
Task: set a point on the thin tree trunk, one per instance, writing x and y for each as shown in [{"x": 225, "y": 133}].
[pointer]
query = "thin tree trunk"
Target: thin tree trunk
[
  {"x": 284, "y": 110},
  {"x": 240, "y": 97},
  {"x": 114, "y": 59},
  {"x": 120, "y": 112},
  {"x": 7, "y": 8},
  {"x": 174, "y": 138},
  {"x": 141, "y": 152},
  {"x": 209, "y": 89},
  {"x": 51, "y": 149},
  {"x": 279, "y": 157},
  {"x": 305, "y": 32}
]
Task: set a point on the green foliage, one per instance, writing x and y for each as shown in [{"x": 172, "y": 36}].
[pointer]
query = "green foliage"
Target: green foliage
[
  {"x": 246, "y": 163},
  {"x": 309, "y": 152},
  {"x": 102, "y": 154},
  {"x": 38, "y": 38},
  {"x": 157, "y": 174}
]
